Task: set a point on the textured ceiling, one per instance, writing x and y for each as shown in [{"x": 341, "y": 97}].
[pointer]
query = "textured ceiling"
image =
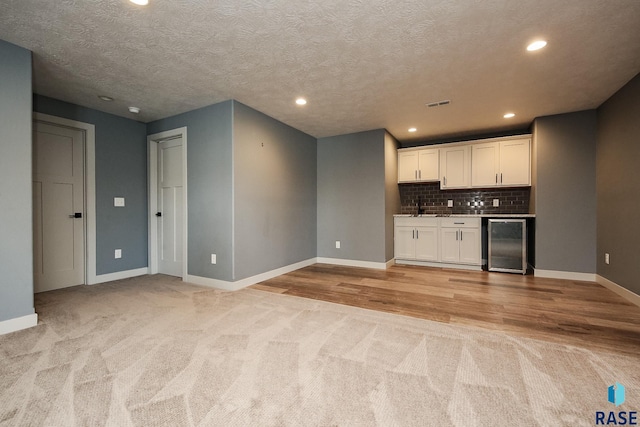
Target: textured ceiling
[{"x": 361, "y": 64}]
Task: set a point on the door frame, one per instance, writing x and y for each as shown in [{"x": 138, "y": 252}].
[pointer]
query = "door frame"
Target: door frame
[
  {"x": 152, "y": 167},
  {"x": 89, "y": 131}
]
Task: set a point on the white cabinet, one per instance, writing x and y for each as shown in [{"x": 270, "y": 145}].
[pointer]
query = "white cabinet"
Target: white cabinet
[
  {"x": 418, "y": 165},
  {"x": 460, "y": 241},
  {"x": 455, "y": 167},
  {"x": 416, "y": 239},
  {"x": 501, "y": 163}
]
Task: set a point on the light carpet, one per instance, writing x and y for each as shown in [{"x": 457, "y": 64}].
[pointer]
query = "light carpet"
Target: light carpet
[{"x": 154, "y": 351}]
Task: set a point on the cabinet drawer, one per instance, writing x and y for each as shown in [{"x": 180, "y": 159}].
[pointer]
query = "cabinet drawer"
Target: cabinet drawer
[
  {"x": 460, "y": 222},
  {"x": 416, "y": 221}
]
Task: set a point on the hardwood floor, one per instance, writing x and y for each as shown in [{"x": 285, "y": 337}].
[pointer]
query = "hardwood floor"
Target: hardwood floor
[{"x": 583, "y": 314}]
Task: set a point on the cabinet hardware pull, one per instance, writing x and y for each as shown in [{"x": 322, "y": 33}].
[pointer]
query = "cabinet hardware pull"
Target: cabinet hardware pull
[
  {"x": 420, "y": 173},
  {"x": 417, "y": 234},
  {"x": 413, "y": 234},
  {"x": 456, "y": 234},
  {"x": 415, "y": 172},
  {"x": 459, "y": 223},
  {"x": 496, "y": 178},
  {"x": 444, "y": 178},
  {"x": 461, "y": 235},
  {"x": 501, "y": 178}
]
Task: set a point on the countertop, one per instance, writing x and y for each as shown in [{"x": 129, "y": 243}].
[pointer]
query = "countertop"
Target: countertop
[{"x": 468, "y": 215}]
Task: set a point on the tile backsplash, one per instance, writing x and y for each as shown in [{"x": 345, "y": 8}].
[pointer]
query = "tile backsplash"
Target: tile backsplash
[{"x": 465, "y": 201}]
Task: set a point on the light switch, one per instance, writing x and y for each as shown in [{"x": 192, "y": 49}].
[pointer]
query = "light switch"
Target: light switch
[
  {"x": 214, "y": 259},
  {"x": 118, "y": 202},
  {"x": 337, "y": 244},
  {"x": 118, "y": 253}
]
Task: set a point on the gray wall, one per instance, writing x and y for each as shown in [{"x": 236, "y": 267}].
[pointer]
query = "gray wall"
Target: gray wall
[
  {"x": 351, "y": 196},
  {"x": 209, "y": 187},
  {"x": 121, "y": 171},
  {"x": 566, "y": 192},
  {"x": 392, "y": 191},
  {"x": 274, "y": 193},
  {"x": 618, "y": 186},
  {"x": 16, "y": 255}
]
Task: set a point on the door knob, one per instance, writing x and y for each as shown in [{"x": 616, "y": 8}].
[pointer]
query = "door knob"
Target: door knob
[
  {"x": 158, "y": 213},
  {"x": 76, "y": 215}
]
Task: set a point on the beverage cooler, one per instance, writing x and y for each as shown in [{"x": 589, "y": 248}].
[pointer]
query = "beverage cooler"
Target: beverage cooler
[{"x": 507, "y": 245}]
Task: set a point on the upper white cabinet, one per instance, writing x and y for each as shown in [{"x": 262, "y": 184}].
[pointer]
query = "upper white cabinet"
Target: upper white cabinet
[
  {"x": 501, "y": 163},
  {"x": 455, "y": 167},
  {"x": 418, "y": 165}
]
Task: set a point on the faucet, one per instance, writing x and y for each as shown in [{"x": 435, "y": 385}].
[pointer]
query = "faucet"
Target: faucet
[{"x": 419, "y": 207}]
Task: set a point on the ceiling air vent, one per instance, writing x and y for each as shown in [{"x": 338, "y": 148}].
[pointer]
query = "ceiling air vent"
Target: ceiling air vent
[{"x": 438, "y": 103}]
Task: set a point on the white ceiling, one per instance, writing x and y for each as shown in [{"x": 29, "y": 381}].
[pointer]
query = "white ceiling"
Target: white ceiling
[{"x": 361, "y": 64}]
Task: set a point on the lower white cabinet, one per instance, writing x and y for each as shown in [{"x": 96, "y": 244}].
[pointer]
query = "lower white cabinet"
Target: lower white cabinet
[
  {"x": 416, "y": 239},
  {"x": 449, "y": 240},
  {"x": 461, "y": 245}
]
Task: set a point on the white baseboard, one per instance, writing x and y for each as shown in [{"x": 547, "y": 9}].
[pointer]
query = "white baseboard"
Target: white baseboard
[
  {"x": 243, "y": 283},
  {"x": 119, "y": 275},
  {"x": 18, "y": 323},
  {"x": 565, "y": 275},
  {"x": 390, "y": 263},
  {"x": 623, "y": 292},
  {"x": 352, "y": 263},
  {"x": 440, "y": 265}
]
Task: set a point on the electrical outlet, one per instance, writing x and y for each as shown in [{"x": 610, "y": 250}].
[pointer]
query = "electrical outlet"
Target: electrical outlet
[
  {"x": 118, "y": 253},
  {"x": 449, "y": 203},
  {"x": 606, "y": 259},
  {"x": 496, "y": 203},
  {"x": 337, "y": 244},
  {"x": 118, "y": 202},
  {"x": 214, "y": 259}
]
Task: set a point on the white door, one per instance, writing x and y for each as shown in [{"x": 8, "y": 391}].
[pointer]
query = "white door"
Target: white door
[
  {"x": 427, "y": 243},
  {"x": 58, "y": 206},
  {"x": 170, "y": 207},
  {"x": 515, "y": 162},
  {"x": 407, "y": 166},
  {"x": 470, "y": 246},
  {"x": 484, "y": 165},
  {"x": 449, "y": 245},
  {"x": 405, "y": 247},
  {"x": 428, "y": 162}
]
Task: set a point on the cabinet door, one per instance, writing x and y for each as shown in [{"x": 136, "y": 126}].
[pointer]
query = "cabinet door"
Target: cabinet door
[
  {"x": 428, "y": 162},
  {"x": 470, "y": 246},
  {"x": 427, "y": 243},
  {"x": 407, "y": 166},
  {"x": 449, "y": 245},
  {"x": 404, "y": 243},
  {"x": 485, "y": 160},
  {"x": 455, "y": 167},
  {"x": 515, "y": 162}
]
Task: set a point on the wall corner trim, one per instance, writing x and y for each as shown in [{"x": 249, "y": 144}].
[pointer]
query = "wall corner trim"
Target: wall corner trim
[
  {"x": 18, "y": 323},
  {"x": 243, "y": 283},
  {"x": 119, "y": 275},
  {"x": 565, "y": 275},
  {"x": 623, "y": 292},
  {"x": 354, "y": 263}
]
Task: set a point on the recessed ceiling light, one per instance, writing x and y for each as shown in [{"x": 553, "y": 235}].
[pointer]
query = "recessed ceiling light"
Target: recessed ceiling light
[
  {"x": 105, "y": 98},
  {"x": 538, "y": 44},
  {"x": 301, "y": 101},
  {"x": 140, "y": 2},
  {"x": 134, "y": 110},
  {"x": 509, "y": 115},
  {"x": 412, "y": 129}
]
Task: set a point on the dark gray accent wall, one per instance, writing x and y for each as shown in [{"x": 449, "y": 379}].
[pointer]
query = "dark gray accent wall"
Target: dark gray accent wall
[
  {"x": 209, "y": 187},
  {"x": 274, "y": 193},
  {"x": 618, "y": 186},
  {"x": 391, "y": 190},
  {"x": 566, "y": 192},
  {"x": 351, "y": 196},
  {"x": 121, "y": 171},
  {"x": 16, "y": 255}
]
